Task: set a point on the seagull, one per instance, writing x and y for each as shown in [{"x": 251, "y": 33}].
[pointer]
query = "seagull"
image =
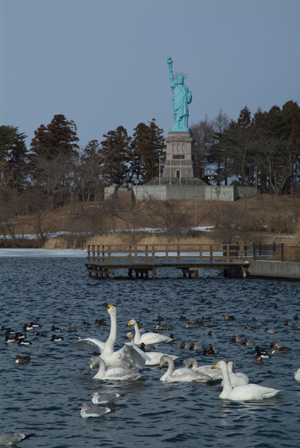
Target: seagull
[
  {"x": 93, "y": 411},
  {"x": 9, "y": 439},
  {"x": 105, "y": 398}
]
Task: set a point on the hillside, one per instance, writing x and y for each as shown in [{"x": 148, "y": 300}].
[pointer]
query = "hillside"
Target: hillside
[{"x": 260, "y": 218}]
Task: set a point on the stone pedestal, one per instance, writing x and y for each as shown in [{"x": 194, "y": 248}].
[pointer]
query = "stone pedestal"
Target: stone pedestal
[{"x": 179, "y": 161}]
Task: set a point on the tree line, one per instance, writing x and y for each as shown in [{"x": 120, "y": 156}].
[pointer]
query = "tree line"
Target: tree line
[{"x": 261, "y": 150}]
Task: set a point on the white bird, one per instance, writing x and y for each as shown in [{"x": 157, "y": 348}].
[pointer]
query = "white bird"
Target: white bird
[
  {"x": 113, "y": 373},
  {"x": 9, "y": 438},
  {"x": 105, "y": 398},
  {"x": 297, "y": 375},
  {"x": 246, "y": 392},
  {"x": 150, "y": 337},
  {"x": 206, "y": 369},
  {"x": 93, "y": 411},
  {"x": 153, "y": 355},
  {"x": 181, "y": 375},
  {"x": 236, "y": 378},
  {"x": 128, "y": 355}
]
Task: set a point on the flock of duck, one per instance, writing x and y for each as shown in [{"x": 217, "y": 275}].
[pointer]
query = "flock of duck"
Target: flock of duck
[{"x": 140, "y": 351}]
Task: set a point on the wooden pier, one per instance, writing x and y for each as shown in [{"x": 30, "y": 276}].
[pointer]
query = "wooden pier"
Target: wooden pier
[{"x": 142, "y": 260}]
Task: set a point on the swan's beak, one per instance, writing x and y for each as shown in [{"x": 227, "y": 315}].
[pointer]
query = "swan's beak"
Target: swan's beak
[
  {"x": 107, "y": 306},
  {"x": 91, "y": 366},
  {"x": 129, "y": 323},
  {"x": 215, "y": 367}
]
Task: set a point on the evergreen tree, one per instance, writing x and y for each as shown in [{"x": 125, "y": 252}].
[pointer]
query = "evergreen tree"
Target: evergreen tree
[
  {"x": 148, "y": 146},
  {"x": 58, "y": 137},
  {"x": 13, "y": 158},
  {"x": 114, "y": 153}
]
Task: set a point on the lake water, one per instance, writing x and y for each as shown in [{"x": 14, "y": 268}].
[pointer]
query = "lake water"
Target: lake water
[{"x": 44, "y": 396}]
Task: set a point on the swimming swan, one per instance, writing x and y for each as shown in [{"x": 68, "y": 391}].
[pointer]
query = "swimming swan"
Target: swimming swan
[
  {"x": 246, "y": 392},
  {"x": 128, "y": 355},
  {"x": 181, "y": 375},
  {"x": 236, "y": 378},
  {"x": 150, "y": 337},
  {"x": 113, "y": 373},
  {"x": 153, "y": 355},
  {"x": 207, "y": 369}
]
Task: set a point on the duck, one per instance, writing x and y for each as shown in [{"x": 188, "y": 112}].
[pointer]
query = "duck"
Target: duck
[
  {"x": 113, "y": 373},
  {"x": 262, "y": 352},
  {"x": 100, "y": 323},
  {"x": 249, "y": 327},
  {"x": 229, "y": 318},
  {"x": 278, "y": 349},
  {"x": 150, "y": 337},
  {"x": 258, "y": 359},
  {"x": 129, "y": 355},
  {"x": 275, "y": 307},
  {"x": 210, "y": 351},
  {"x": 105, "y": 398},
  {"x": 206, "y": 369},
  {"x": 73, "y": 328},
  {"x": 172, "y": 336},
  {"x": 160, "y": 326},
  {"x": 182, "y": 374},
  {"x": 41, "y": 335},
  {"x": 183, "y": 345},
  {"x": 23, "y": 341},
  {"x": 210, "y": 333},
  {"x": 182, "y": 318},
  {"x": 22, "y": 360},
  {"x": 195, "y": 346},
  {"x": 35, "y": 325},
  {"x": 86, "y": 324},
  {"x": 289, "y": 323},
  {"x": 245, "y": 392},
  {"x": 206, "y": 319},
  {"x": 28, "y": 327},
  {"x": 93, "y": 411},
  {"x": 269, "y": 330},
  {"x": 54, "y": 328},
  {"x": 56, "y": 338},
  {"x": 194, "y": 324},
  {"x": 296, "y": 317},
  {"x": 297, "y": 375},
  {"x": 246, "y": 342},
  {"x": 12, "y": 439},
  {"x": 236, "y": 378},
  {"x": 10, "y": 339},
  {"x": 236, "y": 339},
  {"x": 160, "y": 319}
]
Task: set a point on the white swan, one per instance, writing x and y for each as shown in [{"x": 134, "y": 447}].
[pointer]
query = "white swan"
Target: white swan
[
  {"x": 105, "y": 398},
  {"x": 246, "y": 392},
  {"x": 206, "y": 370},
  {"x": 113, "y": 373},
  {"x": 181, "y": 375},
  {"x": 93, "y": 411},
  {"x": 153, "y": 355},
  {"x": 128, "y": 355},
  {"x": 236, "y": 378},
  {"x": 297, "y": 375},
  {"x": 150, "y": 337}
]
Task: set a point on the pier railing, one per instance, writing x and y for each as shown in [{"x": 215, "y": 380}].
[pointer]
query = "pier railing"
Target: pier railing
[
  {"x": 105, "y": 254},
  {"x": 167, "y": 253}
]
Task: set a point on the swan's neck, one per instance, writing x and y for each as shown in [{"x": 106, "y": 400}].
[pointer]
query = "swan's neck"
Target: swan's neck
[
  {"x": 170, "y": 370},
  {"x": 102, "y": 368},
  {"x": 137, "y": 335},
  {"x": 227, "y": 386},
  {"x": 109, "y": 345},
  {"x": 194, "y": 364}
]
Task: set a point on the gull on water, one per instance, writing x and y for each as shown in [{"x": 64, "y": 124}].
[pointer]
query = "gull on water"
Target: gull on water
[{"x": 93, "y": 411}]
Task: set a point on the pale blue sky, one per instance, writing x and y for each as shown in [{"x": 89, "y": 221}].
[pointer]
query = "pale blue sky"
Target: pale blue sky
[{"x": 103, "y": 63}]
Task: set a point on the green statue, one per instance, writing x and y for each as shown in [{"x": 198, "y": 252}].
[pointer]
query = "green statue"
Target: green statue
[{"x": 181, "y": 98}]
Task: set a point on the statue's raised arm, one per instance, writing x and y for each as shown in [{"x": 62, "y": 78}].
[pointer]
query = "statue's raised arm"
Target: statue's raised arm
[{"x": 181, "y": 98}]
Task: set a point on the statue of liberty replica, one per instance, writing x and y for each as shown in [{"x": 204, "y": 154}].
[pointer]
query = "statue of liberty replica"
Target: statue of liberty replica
[
  {"x": 181, "y": 98},
  {"x": 179, "y": 164}
]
